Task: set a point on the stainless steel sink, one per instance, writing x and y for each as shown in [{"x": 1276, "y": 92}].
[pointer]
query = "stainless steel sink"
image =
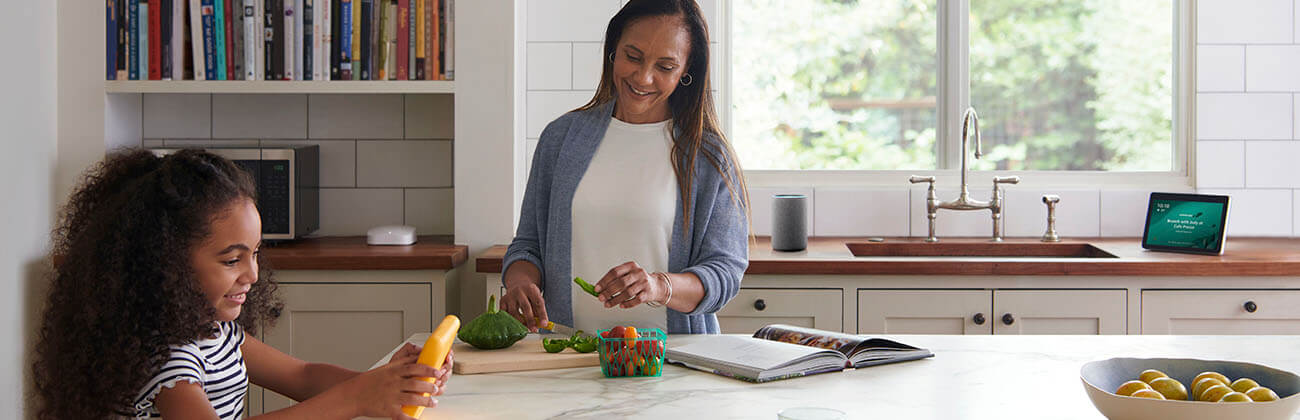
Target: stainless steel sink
[{"x": 977, "y": 249}]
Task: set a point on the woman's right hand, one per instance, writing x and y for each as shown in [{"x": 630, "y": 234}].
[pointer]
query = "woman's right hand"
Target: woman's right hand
[
  {"x": 381, "y": 392},
  {"x": 523, "y": 298}
]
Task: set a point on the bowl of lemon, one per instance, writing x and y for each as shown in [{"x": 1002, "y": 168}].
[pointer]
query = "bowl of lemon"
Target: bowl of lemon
[{"x": 1190, "y": 389}]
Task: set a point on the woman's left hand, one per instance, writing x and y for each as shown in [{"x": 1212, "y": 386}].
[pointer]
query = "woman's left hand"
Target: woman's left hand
[{"x": 628, "y": 285}]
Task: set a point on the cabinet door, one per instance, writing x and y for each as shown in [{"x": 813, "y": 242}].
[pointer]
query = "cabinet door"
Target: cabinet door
[
  {"x": 924, "y": 311},
  {"x": 350, "y": 325},
  {"x": 1087, "y": 312},
  {"x": 1220, "y": 312},
  {"x": 754, "y": 308}
]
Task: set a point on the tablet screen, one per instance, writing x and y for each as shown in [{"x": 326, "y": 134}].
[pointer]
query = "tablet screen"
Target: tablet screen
[{"x": 1186, "y": 222}]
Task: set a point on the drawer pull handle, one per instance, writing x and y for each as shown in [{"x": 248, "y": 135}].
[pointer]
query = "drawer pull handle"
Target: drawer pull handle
[
  {"x": 1250, "y": 306},
  {"x": 978, "y": 318},
  {"x": 1008, "y": 319},
  {"x": 760, "y": 304}
]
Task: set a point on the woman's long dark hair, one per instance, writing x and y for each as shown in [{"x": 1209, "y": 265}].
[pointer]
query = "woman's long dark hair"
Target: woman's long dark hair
[
  {"x": 123, "y": 289},
  {"x": 696, "y": 122}
]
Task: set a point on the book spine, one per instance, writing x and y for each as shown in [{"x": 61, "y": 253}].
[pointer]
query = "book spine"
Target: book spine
[
  {"x": 365, "y": 32},
  {"x": 449, "y": 41},
  {"x": 431, "y": 41},
  {"x": 278, "y": 50},
  {"x": 133, "y": 44},
  {"x": 196, "y": 39},
  {"x": 143, "y": 35},
  {"x": 298, "y": 45},
  {"x": 178, "y": 39},
  {"x": 259, "y": 44},
  {"x": 336, "y": 37},
  {"x": 226, "y": 25},
  {"x": 236, "y": 36},
  {"x": 165, "y": 39},
  {"x": 390, "y": 39},
  {"x": 317, "y": 35},
  {"x": 219, "y": 38},
  {"x": 356, "y": 40},
  {"x": 290, "y": 15},
  {"x": 268, "y": 39},
  {"x": 249, "y": 11},
  {"x": 403, "y": 41},
  {"x": 376, "y": 27},
  {"x": 345, "y": 44},
  {"x": 120, "y": 60},
  {"x": 155, "y": 40},
  {"x": 209, "y": 17},
  {"x": 382, "y": 51},
  {"x": 420, "y": 30},
  {"x": 327, "y": 40},
  {"x": 308, "y": 34},
  {"x": 410, "y": 38},
  {"x": 110, "y": 40}
]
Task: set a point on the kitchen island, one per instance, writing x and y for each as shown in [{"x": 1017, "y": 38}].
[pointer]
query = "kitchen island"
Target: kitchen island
[{"x": 970, "y": 377}]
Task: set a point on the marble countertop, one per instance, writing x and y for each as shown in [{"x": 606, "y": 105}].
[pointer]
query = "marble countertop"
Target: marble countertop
[{"x": 970, "y": 377}]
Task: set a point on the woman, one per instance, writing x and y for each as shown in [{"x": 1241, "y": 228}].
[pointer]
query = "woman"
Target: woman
[{"x": 637, "y": 189}]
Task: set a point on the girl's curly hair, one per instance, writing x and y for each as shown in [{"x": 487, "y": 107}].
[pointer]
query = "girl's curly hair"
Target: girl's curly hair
[{"x": 123, "y": 289}]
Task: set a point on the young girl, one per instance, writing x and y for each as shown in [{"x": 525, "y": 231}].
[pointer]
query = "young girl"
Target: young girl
[{"x": 157, "y": 292}]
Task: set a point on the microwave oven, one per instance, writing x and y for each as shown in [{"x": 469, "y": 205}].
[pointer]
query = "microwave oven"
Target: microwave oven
[{"x": 288, "y": 185}]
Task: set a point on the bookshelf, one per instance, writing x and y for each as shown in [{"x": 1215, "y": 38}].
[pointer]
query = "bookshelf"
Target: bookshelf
[{"x": 280, "y": 86}]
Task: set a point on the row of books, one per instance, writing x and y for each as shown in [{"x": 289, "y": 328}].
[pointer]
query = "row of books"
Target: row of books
[{"x": 280, "y": 39}]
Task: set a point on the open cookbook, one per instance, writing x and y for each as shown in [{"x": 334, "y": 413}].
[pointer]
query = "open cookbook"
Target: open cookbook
[{"x": 783, "y": 351}]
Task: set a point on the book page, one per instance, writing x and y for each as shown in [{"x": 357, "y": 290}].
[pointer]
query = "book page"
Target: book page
[
  {"x": 842, "y": 343},
  {"x": 747, "y": 352}
]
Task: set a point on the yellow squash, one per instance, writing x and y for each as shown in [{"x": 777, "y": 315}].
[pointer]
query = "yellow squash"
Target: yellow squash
[{"x": 435, "y": 351}]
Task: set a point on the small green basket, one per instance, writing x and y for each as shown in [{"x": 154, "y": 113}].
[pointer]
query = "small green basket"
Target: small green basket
[{"x": 642, "y": 356}]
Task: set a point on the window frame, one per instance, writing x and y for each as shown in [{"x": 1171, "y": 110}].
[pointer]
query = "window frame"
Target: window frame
[{"x": 954, "y": 77}]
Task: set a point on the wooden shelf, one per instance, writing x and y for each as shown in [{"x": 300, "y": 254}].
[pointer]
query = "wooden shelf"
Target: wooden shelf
[{"x": 262, "y": 86}]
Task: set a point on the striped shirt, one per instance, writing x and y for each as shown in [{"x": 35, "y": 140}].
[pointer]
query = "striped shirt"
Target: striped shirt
[{"x": 215, "y": 363}]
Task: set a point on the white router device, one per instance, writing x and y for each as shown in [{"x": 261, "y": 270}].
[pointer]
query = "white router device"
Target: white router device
[{"x": 391, "y": 235}]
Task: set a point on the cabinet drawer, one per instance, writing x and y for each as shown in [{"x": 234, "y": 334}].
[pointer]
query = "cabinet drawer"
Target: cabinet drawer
[
  {"x": 1081, "y": 312},
  {"x": 924, "y": 311},
  {"x": 1221, "y": 312},
  {"x": 755, "y": 308}
]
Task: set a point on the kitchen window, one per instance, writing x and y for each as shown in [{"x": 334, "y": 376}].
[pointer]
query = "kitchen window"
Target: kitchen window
[{"x": 1068, "y": 91}]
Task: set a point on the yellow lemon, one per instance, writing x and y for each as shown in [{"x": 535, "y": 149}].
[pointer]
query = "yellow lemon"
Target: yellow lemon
[
  {"x": 1243, "y": 384},
  {"x": 1199, "y": 386},
  {"x": 1234, "y": 397},
  {"x": 1214, "y": 393},
  {"x": 1128, "y": 388},
  {"x": 1170, "y": 388},
  {"x": 1260, "y": 393},
  {"x": 1148, "y": 393},
  {"x": 1211, "y": 374},
  {"x": 1151, "y": 375}
]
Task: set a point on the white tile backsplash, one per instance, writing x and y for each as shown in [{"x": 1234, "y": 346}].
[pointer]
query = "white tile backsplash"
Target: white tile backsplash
[
  {"x": 1220, "y": 164},
  {"x": 183, "y": 116},
  {"x": 1258, "y": 212},
  {"x": 431, "y": 211},
  {"x": 544, "y": 107},
  {"x": 1220, "y": 68},
  {"x": 1295, "y": 122},
  {"x": 760, "y": 208},
  {"x": 1242, "y": 116},
  {"x": 1123, "y": 213},
  {"x": 352, "y": 211},
  {"x": 259, "y": 116},
  {"x": 587, "y": 65},
  {"x": 965, "y": 223},
  {"x": 404, "y": 163},
  {"x": 1272, "y": 68},
  {"x": 1077, "y": 214},
  {"x": 1234, "y": 22},
  {"x": 336, "y": 116},
  {"x": 550, "y": 65},
  {"x": 1272, "y": 164},
  {"x": 569, "y": 20},
  {"x": 430, "y": 116},
  {"x": 846, "y": 211},
  {"x": 338, "y": 160}
]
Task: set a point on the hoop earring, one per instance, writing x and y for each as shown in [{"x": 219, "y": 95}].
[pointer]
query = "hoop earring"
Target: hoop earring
[
  {"x": 687, "y": 80},
  {"x": 611, "y": 57}
]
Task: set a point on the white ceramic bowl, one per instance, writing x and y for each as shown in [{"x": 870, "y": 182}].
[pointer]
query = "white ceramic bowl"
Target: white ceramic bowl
[{"x": 1102, "y": 377}]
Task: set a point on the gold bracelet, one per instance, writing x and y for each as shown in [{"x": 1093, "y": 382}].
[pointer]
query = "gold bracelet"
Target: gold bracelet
[{"x": 664, "y": 277}]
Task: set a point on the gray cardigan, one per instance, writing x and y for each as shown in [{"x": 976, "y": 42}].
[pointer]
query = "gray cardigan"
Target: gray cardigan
[{"x": 716, "y": 250}]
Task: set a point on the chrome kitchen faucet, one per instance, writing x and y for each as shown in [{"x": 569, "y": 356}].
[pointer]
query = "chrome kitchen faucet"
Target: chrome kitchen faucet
[{"x": 963, "y": 202}]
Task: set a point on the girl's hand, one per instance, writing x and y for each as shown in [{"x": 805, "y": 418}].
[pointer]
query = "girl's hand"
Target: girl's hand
[
  {"x": 628, "y": 285},
  {"x": 383, "y": 391}
]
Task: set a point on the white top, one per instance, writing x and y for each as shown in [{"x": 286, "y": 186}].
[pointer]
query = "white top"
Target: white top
[
  {"x": 215, "y": 363},
  {"x": 623, "y": 210}
]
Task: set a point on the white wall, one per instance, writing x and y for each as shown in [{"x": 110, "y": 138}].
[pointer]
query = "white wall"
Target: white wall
[
  {"x": 1248, "y": 119},
  {"x": 28, "y": 115},
  {"x": 1248, "y": 125}
]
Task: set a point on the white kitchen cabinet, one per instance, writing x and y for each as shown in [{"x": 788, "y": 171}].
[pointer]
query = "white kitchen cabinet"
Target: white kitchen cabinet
[
  {"x": 1215, "y": 312},
  {"x": 347, "y": 324},
  {"x": 924, "y": 312},
  {"x": 932, "y": 311},
  {"x": 1080, "y": 312},
  {"x": 754, "y": 308}
]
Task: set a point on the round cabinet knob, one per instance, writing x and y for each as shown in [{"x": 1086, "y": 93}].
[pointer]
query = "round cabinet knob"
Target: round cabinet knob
[
  {"x": 978, "y": 319},
  {"x": 760, "y": 304},
  {"x": 1250, "y": 306},
  {"x": 1008, "y": 319}
]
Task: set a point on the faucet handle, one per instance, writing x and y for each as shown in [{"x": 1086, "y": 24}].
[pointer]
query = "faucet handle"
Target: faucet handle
[
  {"x": 917, "y": 179},
  {"x": 1005, "y": 180}
]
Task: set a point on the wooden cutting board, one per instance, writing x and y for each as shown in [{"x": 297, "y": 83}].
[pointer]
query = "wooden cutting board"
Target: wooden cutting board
[{"x": 526, "y": 354}]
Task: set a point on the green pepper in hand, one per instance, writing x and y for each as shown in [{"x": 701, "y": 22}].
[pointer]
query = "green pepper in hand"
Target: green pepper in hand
[
  {"x": 554, "y": 345},
  {"x": 586, "y": 287}
]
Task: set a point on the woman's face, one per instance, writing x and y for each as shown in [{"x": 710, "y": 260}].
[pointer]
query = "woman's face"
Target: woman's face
[
  {"x": 226, "y": 261},
  {"x": 649, "y": 61}
]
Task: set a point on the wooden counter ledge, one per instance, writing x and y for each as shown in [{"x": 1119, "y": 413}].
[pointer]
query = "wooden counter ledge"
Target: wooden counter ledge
[
  {"x": 1243, "y": 257},
  {"x": 434, "y": 252}
]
